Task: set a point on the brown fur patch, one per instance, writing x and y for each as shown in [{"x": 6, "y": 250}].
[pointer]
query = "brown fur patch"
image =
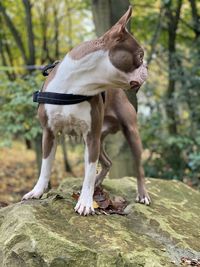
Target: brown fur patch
[
  {"x": 86, "y": 48},
  {"x": 48, "y": 136},
  {"x": 47, "y": 142},
  {"x": 127, "y": 55},
  {"x": 42, "y": 115}
]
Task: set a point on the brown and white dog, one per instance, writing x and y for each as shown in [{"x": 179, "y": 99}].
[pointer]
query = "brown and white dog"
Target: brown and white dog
[{"x": 114, "y": 60}]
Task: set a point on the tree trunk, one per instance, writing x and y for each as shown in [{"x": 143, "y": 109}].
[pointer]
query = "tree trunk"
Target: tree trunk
[
  {"x": 5, "y": 52},
  {"x": 105, "y": 14},
  {"x": 15, "y": 32},
  {"x": 172, "y": 22},
  {"x": 69, "y": 24},
  {"x": 56, "y": 32},
  {"x": 30, "y": 35},
  {"x": 173, "y": 152}
]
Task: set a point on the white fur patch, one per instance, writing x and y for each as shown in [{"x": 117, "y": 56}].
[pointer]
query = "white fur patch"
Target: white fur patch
[
  {"x": 71, "y": 119},
  {"x": 84, "y": 205},
  {"x": 43, "y": 180}
]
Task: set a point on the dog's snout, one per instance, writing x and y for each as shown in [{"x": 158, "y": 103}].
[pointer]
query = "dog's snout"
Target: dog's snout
[{"x": 135, "y": 85}]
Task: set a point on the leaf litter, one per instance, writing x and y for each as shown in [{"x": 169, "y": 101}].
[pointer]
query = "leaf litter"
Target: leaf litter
[{"x": 104, "y": 204}]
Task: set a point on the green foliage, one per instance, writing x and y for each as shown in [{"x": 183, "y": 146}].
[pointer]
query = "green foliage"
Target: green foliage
[
  {"x": 170, "y": 156},
  {"x": 17, "y": 110}
]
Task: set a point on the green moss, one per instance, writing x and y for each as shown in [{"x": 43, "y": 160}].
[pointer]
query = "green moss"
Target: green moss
[{"x": 49, "y": 233}]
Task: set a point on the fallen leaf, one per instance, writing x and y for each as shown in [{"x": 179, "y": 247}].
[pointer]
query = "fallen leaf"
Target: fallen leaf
[
  {"x": 103, "y": 204},
  {"x": 95, "y": 205},
  {"x": 75, "y": 195}
]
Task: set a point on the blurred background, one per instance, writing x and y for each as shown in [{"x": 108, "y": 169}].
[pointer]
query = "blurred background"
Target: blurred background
[{"x": 36, "y": 33}]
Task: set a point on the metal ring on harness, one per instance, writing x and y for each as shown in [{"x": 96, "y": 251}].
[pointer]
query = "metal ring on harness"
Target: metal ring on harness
[{"x": 45, "y": 71}]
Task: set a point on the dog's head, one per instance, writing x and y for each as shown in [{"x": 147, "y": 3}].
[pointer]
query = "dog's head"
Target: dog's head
[{"x": 116, "y": 55}]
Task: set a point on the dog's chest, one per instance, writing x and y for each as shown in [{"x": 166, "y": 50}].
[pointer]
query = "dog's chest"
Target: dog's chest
[{"x": 70, "y": 119}]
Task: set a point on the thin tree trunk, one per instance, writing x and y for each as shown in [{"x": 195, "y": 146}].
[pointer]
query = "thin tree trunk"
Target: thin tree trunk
[
  {"x": 69, "y": 25},
  {"x": 172, "y": 22},
  {"x": 29, "y": 25},
  {"x": 155, "y": 37},
  {"x": 4, "y": 49},
  {"x": 196, "y": 18},
  {"x": 56, "y": 32},
  {"x": 15, "y": 32},
  {"x": 43, "y": 14}
]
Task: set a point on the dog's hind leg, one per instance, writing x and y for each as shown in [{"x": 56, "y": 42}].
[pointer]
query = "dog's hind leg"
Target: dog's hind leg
[
  {"x": 48, "y": 149},
  {"x": 130, "y": 130},
  {"x": 110, "y": 126},
  {"x": 106, "y": 164},
  {"x": 127, "y": 118}
]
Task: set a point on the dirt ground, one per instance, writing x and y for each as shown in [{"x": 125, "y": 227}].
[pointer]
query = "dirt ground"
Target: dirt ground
[{"x": 18, "y": 171}]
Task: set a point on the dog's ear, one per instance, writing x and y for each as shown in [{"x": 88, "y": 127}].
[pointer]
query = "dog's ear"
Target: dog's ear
[
  {"x": 117, "y": 31},
  {"x": 122, "y": 22}
]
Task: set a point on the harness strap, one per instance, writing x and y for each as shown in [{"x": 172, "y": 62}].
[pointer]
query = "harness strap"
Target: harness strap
[{"x": 58, "y": 99}]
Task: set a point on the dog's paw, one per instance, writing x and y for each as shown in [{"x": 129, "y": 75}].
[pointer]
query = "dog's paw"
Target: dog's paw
[
  {"x": 143, "y": 199},
  {"x": 84, "y": 206},
  {"x": 35, "y": 193}
]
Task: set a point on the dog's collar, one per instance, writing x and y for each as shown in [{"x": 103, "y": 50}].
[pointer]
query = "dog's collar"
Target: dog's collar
[{"x": 58, "y": 99}]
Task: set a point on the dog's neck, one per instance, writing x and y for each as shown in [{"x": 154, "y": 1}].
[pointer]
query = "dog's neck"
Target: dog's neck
[{"x": 90, "y": 75}]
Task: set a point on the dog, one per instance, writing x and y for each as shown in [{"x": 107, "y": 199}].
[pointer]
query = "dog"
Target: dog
[{"x": 115, "y": 60}]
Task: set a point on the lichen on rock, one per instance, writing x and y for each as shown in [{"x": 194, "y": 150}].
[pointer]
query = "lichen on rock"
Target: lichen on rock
[{"x": 48, "y": 233}]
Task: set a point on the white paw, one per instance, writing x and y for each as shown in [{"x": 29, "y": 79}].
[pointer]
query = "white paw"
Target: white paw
[
  {"x": 143, "y": 199},
  {"x": 36, "y": 192},
  {"x": 84, "y": 206}
]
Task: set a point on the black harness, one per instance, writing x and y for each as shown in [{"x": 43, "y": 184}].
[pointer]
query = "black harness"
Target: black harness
[{"x": 58, "y": 98}]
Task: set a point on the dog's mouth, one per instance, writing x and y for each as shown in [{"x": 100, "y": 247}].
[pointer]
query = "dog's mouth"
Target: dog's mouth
[{"x": 135, "y": 86}]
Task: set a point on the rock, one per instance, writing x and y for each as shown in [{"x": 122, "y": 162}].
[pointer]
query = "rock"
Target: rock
[{"x": 48, "y": 233}]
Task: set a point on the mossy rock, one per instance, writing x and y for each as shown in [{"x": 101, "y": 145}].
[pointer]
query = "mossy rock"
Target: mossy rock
[{"x": 48, "y": 233}]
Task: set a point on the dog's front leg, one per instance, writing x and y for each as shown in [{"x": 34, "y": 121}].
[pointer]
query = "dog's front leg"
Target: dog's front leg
[
  {"x": 48, "y": 149},
  {"x": 85, "y": 202}
]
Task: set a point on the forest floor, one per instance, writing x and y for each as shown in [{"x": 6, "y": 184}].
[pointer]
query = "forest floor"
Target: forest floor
[{"x": 18, "y": 171}]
